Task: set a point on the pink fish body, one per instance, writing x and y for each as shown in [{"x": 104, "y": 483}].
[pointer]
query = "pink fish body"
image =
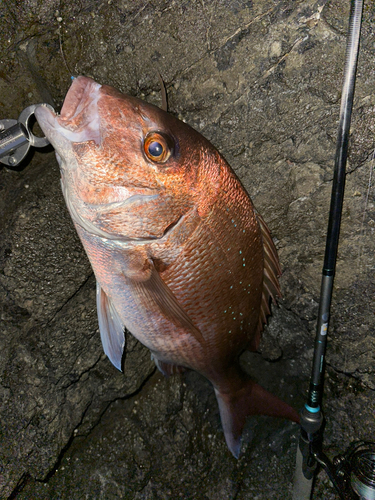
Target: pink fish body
[{"x": 181, "y": 258}]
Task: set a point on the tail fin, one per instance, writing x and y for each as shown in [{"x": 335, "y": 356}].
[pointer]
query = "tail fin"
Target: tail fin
[{"x": 250, "y": 399}]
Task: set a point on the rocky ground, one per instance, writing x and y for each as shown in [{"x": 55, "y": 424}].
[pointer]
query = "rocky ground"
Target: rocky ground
[{"x": 262, "y": 80}]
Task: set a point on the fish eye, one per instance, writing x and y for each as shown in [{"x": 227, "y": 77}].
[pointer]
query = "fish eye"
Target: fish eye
[
  {"x": 158, "y": 147},
  {"x": 155, "y": 149}
]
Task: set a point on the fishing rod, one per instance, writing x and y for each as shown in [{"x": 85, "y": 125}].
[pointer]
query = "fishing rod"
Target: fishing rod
[{"x": 355, "y": 470}]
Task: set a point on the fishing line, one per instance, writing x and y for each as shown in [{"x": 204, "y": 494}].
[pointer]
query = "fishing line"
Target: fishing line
[
  {"x": 59, "y": 21},
  {"x": 362, "y": 232}
]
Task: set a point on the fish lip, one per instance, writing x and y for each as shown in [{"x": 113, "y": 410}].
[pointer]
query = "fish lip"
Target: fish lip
[
  {"x": 46, "y": 114},
  {"x": 132, "y": 198},
  {"x": 104, "y": 235},
  {"x": 79, "y": 120},
  {"x": 79, "y": 94}
]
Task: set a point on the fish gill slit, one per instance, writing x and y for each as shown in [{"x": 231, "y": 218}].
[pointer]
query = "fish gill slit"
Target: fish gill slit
[{"x": 171, "y": 226}]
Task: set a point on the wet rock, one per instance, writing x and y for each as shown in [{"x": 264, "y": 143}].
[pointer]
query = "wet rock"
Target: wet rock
[{"x": 54, "y": 375}]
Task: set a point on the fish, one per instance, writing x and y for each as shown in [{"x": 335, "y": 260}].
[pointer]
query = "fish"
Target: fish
[{"x": 181, "y": 257}]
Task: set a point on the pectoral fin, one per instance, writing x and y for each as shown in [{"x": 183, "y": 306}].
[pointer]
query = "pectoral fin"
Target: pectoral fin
[
  {"x": 155, "y": 294},
  {"x": 111, "y": 328}
]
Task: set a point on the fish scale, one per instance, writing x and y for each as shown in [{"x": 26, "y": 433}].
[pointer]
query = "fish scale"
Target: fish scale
[{"x": 181, "y": 258}]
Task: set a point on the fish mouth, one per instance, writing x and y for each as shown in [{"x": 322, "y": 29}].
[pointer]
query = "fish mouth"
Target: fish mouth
[
  {"x": 94, "y": 230},
  {"x": 79, "y": 119},
  {"x": 80, "y": 95}
]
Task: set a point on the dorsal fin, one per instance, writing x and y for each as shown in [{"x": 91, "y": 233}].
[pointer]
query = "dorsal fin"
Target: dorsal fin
[
  {"x": 271, "y": 287},
  {"x": 164, "y": 95}
]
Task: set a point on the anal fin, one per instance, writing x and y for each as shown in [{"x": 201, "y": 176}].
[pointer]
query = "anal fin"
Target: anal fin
[{"x": 167, "y": 369}]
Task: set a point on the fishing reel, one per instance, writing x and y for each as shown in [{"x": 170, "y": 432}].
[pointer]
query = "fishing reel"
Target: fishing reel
[
  {"x": 353, "y": 472},
  {"x": 16, "y": 137}
]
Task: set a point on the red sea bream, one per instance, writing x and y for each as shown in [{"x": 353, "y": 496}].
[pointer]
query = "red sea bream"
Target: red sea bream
[{"x": 181, "y": 257}]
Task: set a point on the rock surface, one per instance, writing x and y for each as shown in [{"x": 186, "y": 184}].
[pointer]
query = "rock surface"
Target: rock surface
[{"x": 262, "y": 80}]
